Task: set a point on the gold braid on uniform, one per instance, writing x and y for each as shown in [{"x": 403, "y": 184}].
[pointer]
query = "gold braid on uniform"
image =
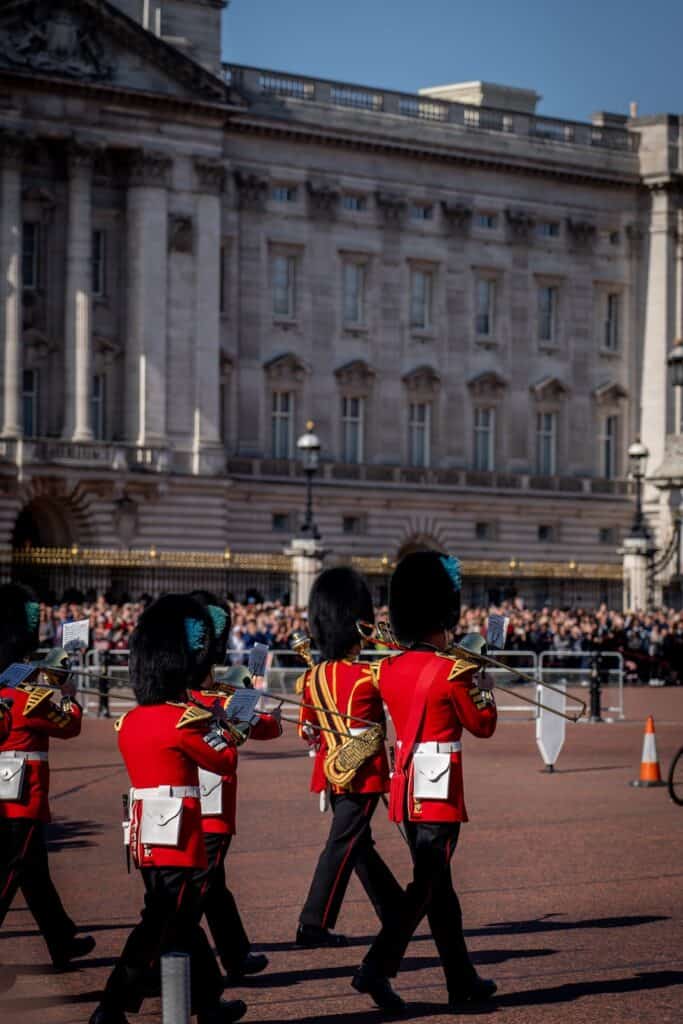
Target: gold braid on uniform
[{"x": 345, "y": 756}]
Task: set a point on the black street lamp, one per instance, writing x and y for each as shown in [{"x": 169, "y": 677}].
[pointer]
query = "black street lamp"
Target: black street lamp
[
  {"x": 308, "y": 447},
  {"x": 675, "y": 364},
  {"x": 637, "y": 457}
]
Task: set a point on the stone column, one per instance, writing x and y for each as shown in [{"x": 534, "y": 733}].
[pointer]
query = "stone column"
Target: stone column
[
  {"x": 10, "y": 282},
  {"x": 207, "y": 446},
  {"x": 147, "y": 247},
  {"x": 307, "y": 562},
  {"x": 78, "y": 299},
  {"x": 635, "y": 561}
]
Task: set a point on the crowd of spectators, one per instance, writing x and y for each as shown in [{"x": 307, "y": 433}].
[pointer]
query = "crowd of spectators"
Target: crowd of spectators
[{"x": 652, "y": 642}]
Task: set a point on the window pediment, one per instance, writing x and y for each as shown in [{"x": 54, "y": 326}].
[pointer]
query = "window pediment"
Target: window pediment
[
  {"x": 356, "y": 377},
  {"x": 610, "y": 392},
  {"x": 487, "y": 385},
  {"x": 549, "y": 388},
  {"x": 422, "y": 382},
  {"x": 286, "y": 369}
]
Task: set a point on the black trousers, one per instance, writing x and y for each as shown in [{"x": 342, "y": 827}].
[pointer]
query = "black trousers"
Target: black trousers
[
  {"x": 350, "y": 847},
  {"x": 23, "y": 865},
  {"x": 169, "y": 922},
  {"x": 430, "y": 892},
  {"x": 222, "y": 915}
]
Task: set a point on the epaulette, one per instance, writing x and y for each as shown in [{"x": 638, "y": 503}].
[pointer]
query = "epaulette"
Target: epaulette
[
  {"x": 375, "y": 667},
  {"x": 37, "y": 697},
  {"x": 192, "y": 715},
  {"x": 300, "y": 684},
  {"x": 460, "y": 666},
  {"x": 119, "y": 721}
]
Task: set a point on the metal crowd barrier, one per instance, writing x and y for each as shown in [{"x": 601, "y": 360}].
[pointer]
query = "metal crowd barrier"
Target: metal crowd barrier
[{"x": 575, "y": 668}]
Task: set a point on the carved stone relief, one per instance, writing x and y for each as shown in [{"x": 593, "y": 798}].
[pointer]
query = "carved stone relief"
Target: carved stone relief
[{"x": 53, "y": 38}]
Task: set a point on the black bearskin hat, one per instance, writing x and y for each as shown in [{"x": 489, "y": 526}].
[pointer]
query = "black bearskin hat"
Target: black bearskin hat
[
  {"x": 424, "y": 595},
  {"x": 219, "y": 613},
  {"x": 19, "y": 621},
  {"x": 339, "y": 599},
  {"x": 170, "y": 649}
]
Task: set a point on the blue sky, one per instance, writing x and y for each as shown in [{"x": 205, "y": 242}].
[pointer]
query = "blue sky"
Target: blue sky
[{"x": 580, "y": 55}]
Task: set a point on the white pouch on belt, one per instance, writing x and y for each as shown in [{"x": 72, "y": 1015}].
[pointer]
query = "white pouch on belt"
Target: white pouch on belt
[
  {"x": 431, "y": 776},
  {"x": 12, "y": 774},
  {"x": 211, "y": 788},
  {"x": 161, "y": 820}
]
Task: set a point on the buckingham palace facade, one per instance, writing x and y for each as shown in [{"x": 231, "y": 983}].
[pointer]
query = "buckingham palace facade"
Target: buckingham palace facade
[{"x": 474, "y": 303}]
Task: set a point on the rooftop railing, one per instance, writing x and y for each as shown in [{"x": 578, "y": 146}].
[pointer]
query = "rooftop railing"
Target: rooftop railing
[{"x": 260, "y": 82}]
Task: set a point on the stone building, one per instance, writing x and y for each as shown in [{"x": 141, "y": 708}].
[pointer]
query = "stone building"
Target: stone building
[{"x": 199, "y": 258}]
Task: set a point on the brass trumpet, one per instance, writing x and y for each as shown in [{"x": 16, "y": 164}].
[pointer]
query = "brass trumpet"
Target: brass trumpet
[{"x": 384, "y": 634}]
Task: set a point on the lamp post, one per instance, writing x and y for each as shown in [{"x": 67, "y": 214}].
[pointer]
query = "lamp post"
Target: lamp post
[
  {"x": 637, "y": 458},
  {"x": 308, "y": 447}
]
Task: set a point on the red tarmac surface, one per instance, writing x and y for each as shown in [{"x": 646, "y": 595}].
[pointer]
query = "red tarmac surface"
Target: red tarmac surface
[{"x": 571, "y": 884}]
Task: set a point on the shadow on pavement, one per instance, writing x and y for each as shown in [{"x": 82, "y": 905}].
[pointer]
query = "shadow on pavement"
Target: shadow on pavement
[
  {"x": 545, "y": 924},
  {"x": 71, "y": 835},
  {"x": 85, "y": 929}
]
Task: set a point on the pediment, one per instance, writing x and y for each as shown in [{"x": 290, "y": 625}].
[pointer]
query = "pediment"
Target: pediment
[
  {"x": 92, "y": 42},
  {"x": 549, "y": 387},
  {"x": 610, "y": 391},
  {"x": 488, "y": 384},
  {"x": 355, "y": 375},
  {"x": 423, "y": 380},
  {"x": 286, "y": 368}
]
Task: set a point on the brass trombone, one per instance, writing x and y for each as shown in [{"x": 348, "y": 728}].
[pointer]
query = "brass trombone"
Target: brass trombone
[{"x": 384, "y": 634}]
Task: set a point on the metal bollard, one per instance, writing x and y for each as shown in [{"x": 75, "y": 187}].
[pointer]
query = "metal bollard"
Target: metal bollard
[{"x": 175, "y": 988}]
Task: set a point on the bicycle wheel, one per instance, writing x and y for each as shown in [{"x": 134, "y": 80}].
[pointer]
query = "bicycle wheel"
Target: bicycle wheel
[{"x": 675, "y": 782}]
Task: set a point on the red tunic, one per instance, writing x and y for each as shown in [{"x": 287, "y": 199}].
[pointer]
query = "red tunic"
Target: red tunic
[
  {"x": 163, "y": 745},
  {"x": 34, "y": 719},
  {"x": 5, "y": 722},
  {"x": 267, "y": 728},
  {"x": 449, "y": 707},
  {"x": 354, "y": 692}
]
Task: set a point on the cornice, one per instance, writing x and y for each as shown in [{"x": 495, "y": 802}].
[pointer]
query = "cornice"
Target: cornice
[{"x": 306, "y": 133}]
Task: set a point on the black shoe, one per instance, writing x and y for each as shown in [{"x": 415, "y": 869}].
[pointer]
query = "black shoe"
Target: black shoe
[
  {"x": 380, "y": 991},
  {"x": 313, "y": 937},
  {"x": 105, "y": 1015},
  {"x": 7, "y": 978},
  {"x": 253, "y": 963},
  {"x": 476, "y": 991},
  {"x": 79, "y": 947},
  {"x": 224, "y": 1013}
]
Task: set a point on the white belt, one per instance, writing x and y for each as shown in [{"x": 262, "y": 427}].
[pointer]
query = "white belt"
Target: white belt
[
  {"x": 358, "y": 732},
  {"x": 177, "y": 791},
  {"x": 452, "y": 747},
  {"x": 26, "y": 755}
]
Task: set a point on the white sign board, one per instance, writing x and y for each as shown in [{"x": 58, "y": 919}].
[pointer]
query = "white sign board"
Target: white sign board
[
  {"x": 75, "y": 635},
  {"x": 550, "y": 728}
]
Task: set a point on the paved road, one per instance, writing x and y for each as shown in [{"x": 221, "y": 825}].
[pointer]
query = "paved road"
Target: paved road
[{"x": 571, "y": 884}]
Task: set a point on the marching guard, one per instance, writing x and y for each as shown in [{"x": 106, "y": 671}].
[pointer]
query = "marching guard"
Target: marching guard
[
  {"x": 219, "y": 812},
  {"x": 345, "y": 692},
  {"x": 431, "y": 697},
  {"x": 164, "y": 741},
  {"x": 29, "y": 718}
]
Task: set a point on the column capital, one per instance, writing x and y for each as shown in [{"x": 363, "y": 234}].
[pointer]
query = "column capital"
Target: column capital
[
  {"x": 210, "y": 175},
  {"x": 149, "y": 167},
  {"x": 80, "y": 155}
]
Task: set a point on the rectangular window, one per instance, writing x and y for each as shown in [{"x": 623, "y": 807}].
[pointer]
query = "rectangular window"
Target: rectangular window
[
  {"x": 422, "y": 211},
  {"x": 98, "y": 406},
  {"x": 29, "y": 401},
  {"x": 353, "y": 525},
  {"x": 280, "y": 522},
  {"x": 487, "y": 221},
  {"x": 354, "y": 292},
  {"x": 355, "y": 203},
  {"x": 282, "y": 420},
  {"x": 485, "y": 305},
  {"x": 284, "y": 287},
  {"x": 546, "y": 443},
  {"x": 607, "y": 535},
  {"x": 421, "y": 289},
  {"x": 353, "y": 417},
  {"x": 98, "y": 263},
  {"x": 608, "y": 443},
  {"x": 546, "y": 534},
  {"x": 222, "y": 280},
  {"x": 547, "y": 313},
  {"x": 548, "y": 229},
  {"x": 419, "y": 430},
  {"x": 284, "y": 193},
  {"x": 611, "y": 335},
  {"x": 30, "y": 255},
  {"x": 484, "y": 531},
  {"x": 484, "y": 439}
]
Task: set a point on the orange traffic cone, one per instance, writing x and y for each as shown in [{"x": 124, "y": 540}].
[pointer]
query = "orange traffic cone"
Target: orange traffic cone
[{"x": 650, "y": 774}]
